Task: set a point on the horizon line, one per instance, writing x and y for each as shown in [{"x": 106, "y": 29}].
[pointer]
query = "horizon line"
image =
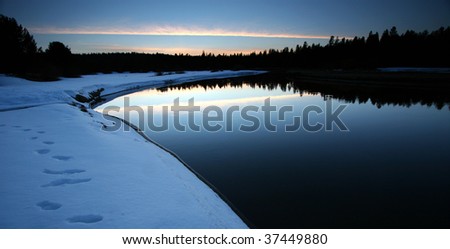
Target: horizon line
[{"x": 171, "y": 31}]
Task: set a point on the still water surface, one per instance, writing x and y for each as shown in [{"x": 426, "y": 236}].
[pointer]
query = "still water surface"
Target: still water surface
[{"x": 390, "y": 169}]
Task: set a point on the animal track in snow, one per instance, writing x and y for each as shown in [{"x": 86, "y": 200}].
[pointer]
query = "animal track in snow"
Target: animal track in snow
[
  {"x": 48, "y": 142},
  {"x": 43, "y": 151},
  {"x": 48, "y": 205},
  {"x": 90, "y": 218},
  {"x": 63, "y": 172},
  {"x": 65, "y": 181},
  {"x": 62, "y": 158}
]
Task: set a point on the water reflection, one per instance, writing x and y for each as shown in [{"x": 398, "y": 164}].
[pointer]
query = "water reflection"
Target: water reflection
[
  {"x": 391, "y": 170},
  {"x": 355, "y": 92}
]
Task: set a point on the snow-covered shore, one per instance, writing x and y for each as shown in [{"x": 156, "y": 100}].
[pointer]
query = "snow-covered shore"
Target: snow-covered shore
[{"x": 61, "y": 168}]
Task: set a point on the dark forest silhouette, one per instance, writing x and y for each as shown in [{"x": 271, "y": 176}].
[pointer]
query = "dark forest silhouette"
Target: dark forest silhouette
[{"x": 20, "y": 55}]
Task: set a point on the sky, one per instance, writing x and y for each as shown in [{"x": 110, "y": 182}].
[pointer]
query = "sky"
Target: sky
[{"x": 228, "y": 26}]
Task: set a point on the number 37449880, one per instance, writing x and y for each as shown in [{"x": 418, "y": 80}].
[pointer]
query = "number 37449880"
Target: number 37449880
[{"x": 307, "y": 239}]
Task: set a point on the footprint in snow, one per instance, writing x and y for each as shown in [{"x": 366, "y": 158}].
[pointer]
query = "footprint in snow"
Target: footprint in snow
[
  {"x": 48, "y": 205},
  {"x": 63, "y": 172},
  {"x": 62, "y": 158},
  {"x": 90, "y": 218},
  {"x": 43, "y": 151},
  {"x": 65, "y": 181},
  {"x": 48, "y": 142}
]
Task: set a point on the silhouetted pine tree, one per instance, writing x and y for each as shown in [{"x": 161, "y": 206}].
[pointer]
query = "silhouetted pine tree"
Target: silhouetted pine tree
[{"x": 17, "y": 46}]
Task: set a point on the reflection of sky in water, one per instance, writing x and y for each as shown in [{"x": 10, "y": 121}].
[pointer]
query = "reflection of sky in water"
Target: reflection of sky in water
[
  {"x": 392, "y": 166},
  {"x": 210, "y": 97},
  {"x": 223, "y": 98}
]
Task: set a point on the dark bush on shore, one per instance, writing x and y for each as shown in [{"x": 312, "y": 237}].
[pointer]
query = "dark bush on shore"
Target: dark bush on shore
[
  {"x": 95, "y": 96},
  {"x": 81, "y": 98}
]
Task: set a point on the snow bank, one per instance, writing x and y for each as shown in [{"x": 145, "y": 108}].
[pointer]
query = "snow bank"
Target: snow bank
[
  {"x": 19, "y": 93},
  {"x": 62, "y": 168}
]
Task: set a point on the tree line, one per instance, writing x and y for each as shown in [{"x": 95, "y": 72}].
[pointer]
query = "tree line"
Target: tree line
[{"x": 21, "y": 56}]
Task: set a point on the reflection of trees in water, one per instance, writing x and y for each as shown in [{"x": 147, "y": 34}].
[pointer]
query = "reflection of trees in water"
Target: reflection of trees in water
[{"x": 378, "y": 95}]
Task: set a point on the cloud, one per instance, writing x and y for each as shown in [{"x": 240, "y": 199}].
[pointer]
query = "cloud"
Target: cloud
[{"x": 170, "y": 31}]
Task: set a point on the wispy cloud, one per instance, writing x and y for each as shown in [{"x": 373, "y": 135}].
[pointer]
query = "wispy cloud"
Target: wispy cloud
[{"x": 171, "y": 31}]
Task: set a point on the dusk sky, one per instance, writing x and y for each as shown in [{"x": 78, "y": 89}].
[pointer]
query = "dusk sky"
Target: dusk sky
[{"x": 182, "y": 26}]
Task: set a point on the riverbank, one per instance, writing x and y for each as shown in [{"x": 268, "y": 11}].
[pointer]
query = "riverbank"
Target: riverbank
[{"x": 63, "y": 168}]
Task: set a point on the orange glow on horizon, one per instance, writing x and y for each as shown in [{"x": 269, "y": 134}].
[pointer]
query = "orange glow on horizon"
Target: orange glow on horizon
[
  {"x": 178, "y": 50},
  {"x": 171, "y": 31}
]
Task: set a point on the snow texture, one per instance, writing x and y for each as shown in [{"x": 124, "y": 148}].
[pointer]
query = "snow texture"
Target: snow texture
[{"x": 60, "y": 167}]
